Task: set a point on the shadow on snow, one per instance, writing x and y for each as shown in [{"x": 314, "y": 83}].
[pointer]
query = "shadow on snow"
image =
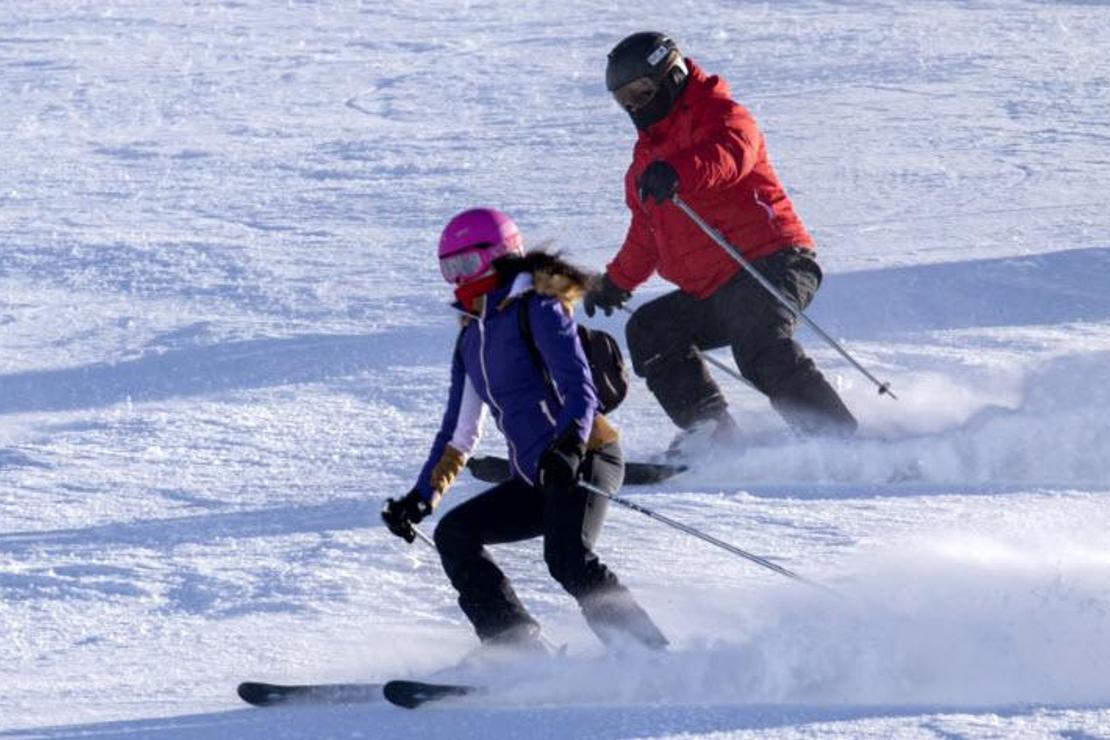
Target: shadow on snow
[
  {"x": 602, "y": 723},
  {"x": 233, "y": 366},
  {"x": 1053, "y": 288},
  {"x": 340, "y": 515}
]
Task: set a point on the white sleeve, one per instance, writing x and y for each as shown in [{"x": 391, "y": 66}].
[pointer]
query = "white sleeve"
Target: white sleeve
[{"x": 472, "y": 416}]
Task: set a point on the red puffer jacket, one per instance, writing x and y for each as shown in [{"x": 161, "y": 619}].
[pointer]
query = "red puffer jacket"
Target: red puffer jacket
[{"x": 723, "y": 173}]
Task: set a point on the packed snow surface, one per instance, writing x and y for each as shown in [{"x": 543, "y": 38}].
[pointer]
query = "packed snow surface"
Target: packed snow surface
[{"x": 225, "y": 342}]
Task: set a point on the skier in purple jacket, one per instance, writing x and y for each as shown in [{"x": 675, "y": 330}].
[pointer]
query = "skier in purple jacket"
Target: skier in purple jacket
[{"x": 555, "y": 438}]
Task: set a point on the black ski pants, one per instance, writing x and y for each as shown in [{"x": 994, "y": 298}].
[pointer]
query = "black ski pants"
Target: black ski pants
[
  {"x": 569, "y": 522},
  {"x": 665, "y": 334}
]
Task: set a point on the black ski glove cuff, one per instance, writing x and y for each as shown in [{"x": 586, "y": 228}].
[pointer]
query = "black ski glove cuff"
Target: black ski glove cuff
[
  {"x": 604, "y": 295},
  {"x": 401, "y": 514},
  {"x": 559, "y": 463},
  {"x": 659, "y": 180}
]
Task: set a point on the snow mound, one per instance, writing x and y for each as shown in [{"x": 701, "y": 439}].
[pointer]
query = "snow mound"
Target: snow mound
[
  {"x": 960, "y": 622},
  {"x": 1050, "y": 428}
]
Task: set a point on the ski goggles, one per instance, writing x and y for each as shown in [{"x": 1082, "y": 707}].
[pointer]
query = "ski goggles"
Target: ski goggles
[
  {"x": 465, "y": 265},
  {"x": 634, "y": 95}
]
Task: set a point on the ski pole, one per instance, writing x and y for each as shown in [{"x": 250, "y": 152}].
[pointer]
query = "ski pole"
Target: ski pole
[
  {"x": 735, "y": 254},
  {"x": 714, "y": 361},
  {"x": 702, "y": 536},
  {"x": 424, "y": 538}
]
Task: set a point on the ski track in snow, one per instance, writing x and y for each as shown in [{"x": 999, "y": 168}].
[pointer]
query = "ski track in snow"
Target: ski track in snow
[{"x": 225, "y": 343}]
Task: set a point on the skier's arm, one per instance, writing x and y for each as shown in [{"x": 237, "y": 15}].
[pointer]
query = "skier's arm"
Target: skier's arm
[
  {"x": 556, "y": 338},
  {"x": 458, "y": 434},
  {"x": 637, "y": 258},
  {"x": 727, "y": 152}
]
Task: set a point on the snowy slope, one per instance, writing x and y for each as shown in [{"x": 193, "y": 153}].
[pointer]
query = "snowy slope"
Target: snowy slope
[{"x": 224, "y": 342}]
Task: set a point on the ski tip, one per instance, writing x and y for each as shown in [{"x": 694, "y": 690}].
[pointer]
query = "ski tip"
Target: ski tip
[
  {"x": 259, "y": 694},
  {"x": 643, "y": 474},
  {"x": 268, "y": 694},
  {"x": 412, "y": 694}
]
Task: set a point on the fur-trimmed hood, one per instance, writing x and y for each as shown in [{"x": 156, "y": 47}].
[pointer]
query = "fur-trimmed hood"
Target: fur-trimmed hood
[{"x": 550, "y": 275}]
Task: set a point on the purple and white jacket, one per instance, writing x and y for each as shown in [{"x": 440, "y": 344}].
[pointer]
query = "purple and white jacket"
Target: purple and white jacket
[{"x": 493, "y": 367}]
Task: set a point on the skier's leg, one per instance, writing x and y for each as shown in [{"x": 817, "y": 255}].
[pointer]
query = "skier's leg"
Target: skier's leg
[
  {"x": 572, "y": 522},
  {"x": 766, "y": 352},
  {"x": 797, "y": 389},
  {"x": 663, "y": 336},
  {"x": 508, "y": 512}
]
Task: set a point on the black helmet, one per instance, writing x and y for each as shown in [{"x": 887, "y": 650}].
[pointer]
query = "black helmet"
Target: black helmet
[{"x": 646, "y": 74}]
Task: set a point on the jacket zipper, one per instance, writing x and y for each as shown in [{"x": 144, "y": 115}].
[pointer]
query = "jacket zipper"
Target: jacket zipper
[
  {"x": 547, "y": 412},
  {"x": 489, "y": 392}
]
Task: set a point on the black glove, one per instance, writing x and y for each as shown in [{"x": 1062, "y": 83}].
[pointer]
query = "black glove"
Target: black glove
[
  {"x": 400, "y": 514},
  {"x": 604, "y": 295},
  {"x": 558, "y": 466},
  {"x": 659, "y": 180}
]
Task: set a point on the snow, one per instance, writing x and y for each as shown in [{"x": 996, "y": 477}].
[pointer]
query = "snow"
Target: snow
[{"x": 225, "y": 343}]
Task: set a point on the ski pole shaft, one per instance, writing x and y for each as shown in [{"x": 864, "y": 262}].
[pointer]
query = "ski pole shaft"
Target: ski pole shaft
[
  {"x": 424, "y": 538},
  {"x": 717, "y": 363},
  {"x": 702, "y": 536},
  {"x": 884, "y": 388}
]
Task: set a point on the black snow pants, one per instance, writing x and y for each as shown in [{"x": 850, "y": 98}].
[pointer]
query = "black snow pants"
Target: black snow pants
[
  {"x": 664, "y": 334},
  {"x": 569, "y": 522}
]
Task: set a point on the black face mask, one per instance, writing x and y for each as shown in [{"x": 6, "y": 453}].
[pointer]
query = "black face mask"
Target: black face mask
[{"x": 658, "y": 107}]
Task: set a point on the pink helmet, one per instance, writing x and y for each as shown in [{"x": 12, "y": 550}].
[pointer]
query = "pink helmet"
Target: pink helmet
[{"x": 472, "y": 240}]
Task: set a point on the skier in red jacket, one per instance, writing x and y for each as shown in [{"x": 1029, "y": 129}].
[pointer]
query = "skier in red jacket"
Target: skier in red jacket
[{"x": 694, "y": 140}]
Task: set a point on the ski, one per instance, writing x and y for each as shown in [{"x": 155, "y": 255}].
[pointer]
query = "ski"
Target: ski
[
  {"x": 413, "y": 694},
  {"x": 270, "y": 694},
  {"x": 493, "y": 469}
]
